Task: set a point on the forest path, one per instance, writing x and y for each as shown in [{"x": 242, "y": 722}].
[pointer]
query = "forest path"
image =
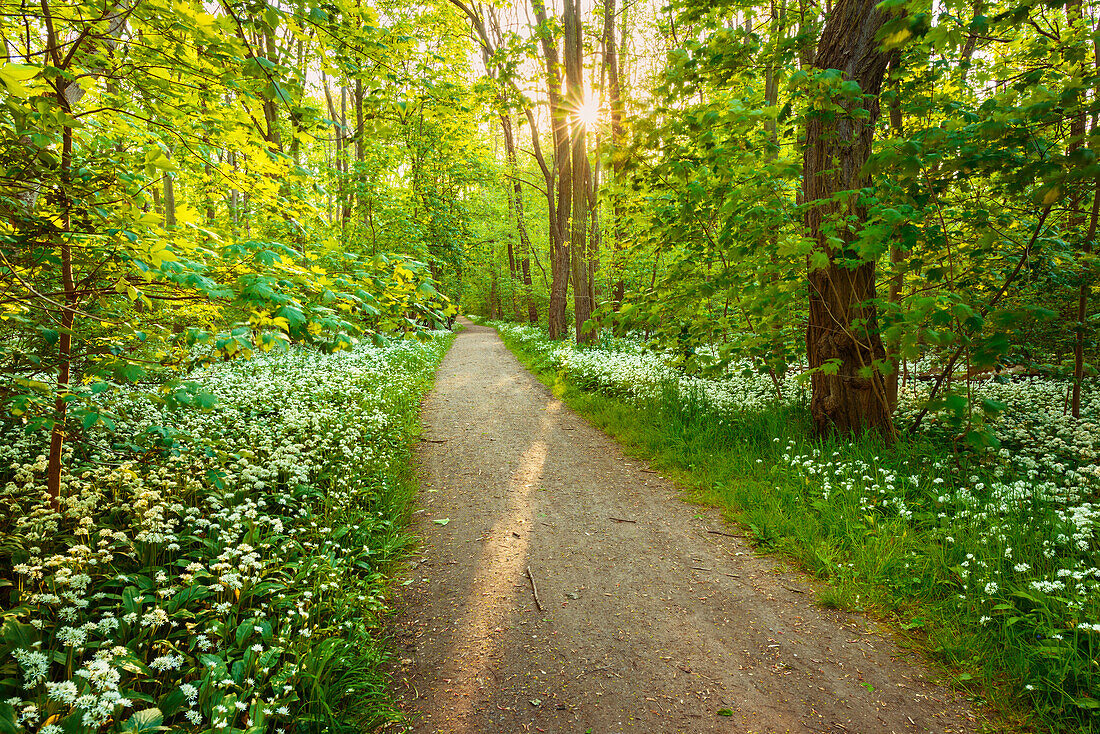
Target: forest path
[{"x": 653, "y": 625}]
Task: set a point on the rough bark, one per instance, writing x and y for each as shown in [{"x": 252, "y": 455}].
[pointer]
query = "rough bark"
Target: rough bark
[
  {"x": 843, "y": 325},
  {"x": 578, "y": 151}
]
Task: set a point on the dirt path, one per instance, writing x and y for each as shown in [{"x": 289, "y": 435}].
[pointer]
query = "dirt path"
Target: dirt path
[{"x": 651, "y": 625}]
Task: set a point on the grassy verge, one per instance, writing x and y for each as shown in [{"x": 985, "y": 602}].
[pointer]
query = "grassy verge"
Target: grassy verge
[
  {"x": 870, "y": 522},
  {"x": 215, "y": 569}
]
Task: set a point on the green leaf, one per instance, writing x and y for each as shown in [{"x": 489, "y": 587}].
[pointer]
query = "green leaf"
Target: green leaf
[
  {"x": 7, "y": 719},
  {"x": 13, "y": 76},
  {"x": 131, "y": 600},
  {"x": 442, "y": 521},
  {"x": 172, "y": 702},
  {"x": 146, "y": 720},
  {"x": 724, "y": 712}
]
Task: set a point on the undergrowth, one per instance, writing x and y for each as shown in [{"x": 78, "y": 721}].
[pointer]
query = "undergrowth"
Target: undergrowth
[{"x": 215, "y": 569}]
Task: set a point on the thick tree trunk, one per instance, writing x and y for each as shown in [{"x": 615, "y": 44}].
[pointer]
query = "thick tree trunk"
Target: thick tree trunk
[{"x": 843, "y": 329}]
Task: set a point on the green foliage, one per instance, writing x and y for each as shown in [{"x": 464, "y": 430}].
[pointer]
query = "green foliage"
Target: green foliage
[{"x": 164, "y": 189}]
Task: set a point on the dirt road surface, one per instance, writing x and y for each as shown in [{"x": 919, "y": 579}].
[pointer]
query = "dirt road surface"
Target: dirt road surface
[{"x": 648, "y": 622}]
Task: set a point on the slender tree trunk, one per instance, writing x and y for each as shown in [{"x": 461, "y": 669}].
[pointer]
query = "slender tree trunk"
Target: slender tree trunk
[
  {"x": 169, "y": 198},
  {"x": 345, "y": 203},
  {"x": 897, "y": 256},
  {"x": 494, "y": 298},
  {"x": 360, "y": 147},
  {"x": 1078, "y": 131},
  {"x": 270, "y": 112},
  {"x": 574, "y": 82},
  {"x": 771, "y": 101},
  {"x": 563, "y": 177},
  {"x": 615, "y": 99},
  {"x": 970, "y": 45},
  {"x": 842, "y": 340},
  {"x": 592, "y": 250},
  {"x": 521, "y": 275},
  {"x": 67, "y": 316},
  {"x": 234, "y": 196}
]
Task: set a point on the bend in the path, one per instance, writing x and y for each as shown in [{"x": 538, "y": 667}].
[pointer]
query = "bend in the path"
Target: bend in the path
[{"x": 653, "y": 625}]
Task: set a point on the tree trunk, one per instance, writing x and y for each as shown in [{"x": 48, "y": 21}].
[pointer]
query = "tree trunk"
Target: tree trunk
[
  {"x": 842, "y": 333},
  {"x": 360, "y": 147},
  {"x": 1077, "y": 132},
  {"x": 169, "y": 198},
  {"x": 270, "y": 113},
  {"x": 67, "y": 316},
  {"x": 560, "y": 210},
  {"x": 345, "y": 208},
  {"x": 494, "y": 301},
  {"x": 778, "y": 34},
  {"x": 516, "y": 201},
  {"x": 578, "y": 149},
  {"x": 897, "y": 257},
  {"x": 615, "y": 100}
]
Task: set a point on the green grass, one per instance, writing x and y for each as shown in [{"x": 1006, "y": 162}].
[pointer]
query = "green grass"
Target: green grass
[{"x": 891, "y": 568}]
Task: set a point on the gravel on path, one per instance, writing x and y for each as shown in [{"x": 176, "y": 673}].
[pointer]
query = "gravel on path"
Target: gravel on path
[{"x": 563, "y": 587}]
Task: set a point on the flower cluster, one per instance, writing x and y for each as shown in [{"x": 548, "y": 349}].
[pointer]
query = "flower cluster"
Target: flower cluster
[{"x": 203, "y": 564}]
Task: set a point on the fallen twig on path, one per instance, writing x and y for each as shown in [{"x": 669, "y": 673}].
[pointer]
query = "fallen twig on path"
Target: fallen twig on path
[
  {"x": 534, "y": 589},
  {"x": 650, "y": 471},
  {"x": 731, "y": 575},
  {"x": 725, "y": 534},
  {"x": 433, "y": 440},
  {"x": 619, "y": 519}
]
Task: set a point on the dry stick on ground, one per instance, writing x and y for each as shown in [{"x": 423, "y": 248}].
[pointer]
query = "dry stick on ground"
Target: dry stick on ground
[
  {"x": 619, "y": 519},
  {"x": 728, "y": 535},
  {"x": 731, "y": 575},
  {"x": 534, "y": 589}
]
